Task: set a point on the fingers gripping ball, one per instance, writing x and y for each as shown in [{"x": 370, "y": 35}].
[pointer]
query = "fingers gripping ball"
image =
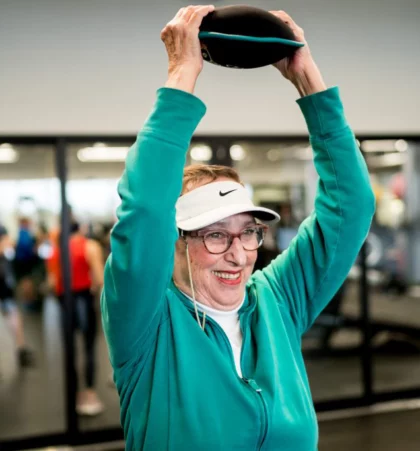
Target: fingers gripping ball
[{"x": 245, "y": 37}]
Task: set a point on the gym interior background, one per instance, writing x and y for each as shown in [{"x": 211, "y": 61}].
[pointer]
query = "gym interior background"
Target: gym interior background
[{"x": 76, "y": 83}]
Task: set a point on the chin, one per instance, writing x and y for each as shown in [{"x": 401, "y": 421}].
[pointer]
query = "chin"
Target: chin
[{"x": 233, "y": 298}]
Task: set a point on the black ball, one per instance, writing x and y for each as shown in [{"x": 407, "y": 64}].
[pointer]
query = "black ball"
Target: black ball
[{"x": 245, "y": 37}]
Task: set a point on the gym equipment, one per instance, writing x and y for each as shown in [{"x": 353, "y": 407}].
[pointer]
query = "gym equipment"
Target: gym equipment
[{"x": 245, "y": 37}]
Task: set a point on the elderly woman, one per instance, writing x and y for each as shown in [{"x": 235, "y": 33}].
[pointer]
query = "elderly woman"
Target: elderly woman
[{"x": 207, "y": 356}]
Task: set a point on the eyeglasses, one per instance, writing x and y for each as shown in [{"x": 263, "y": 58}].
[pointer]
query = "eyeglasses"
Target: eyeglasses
[{"x": 218, "y": 242}]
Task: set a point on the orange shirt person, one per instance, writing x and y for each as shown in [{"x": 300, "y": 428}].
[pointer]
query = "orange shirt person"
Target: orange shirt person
[{"x": 86, "y": 266}]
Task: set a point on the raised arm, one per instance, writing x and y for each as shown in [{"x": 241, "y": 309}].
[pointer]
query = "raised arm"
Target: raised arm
[
  {"x": 318, "y": 260},
  {"x": 140, "y": 266}
]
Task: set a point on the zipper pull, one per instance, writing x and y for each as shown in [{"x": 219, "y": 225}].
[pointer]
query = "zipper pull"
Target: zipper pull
[{"x": 252, "y": 384}]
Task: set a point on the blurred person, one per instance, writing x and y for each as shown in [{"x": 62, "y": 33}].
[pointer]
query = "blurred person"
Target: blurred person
[
  {"x": 45, "y": 246},
  {"x": 25, "y": 262},
  {"x": 288, "y": 220},
  {"x": 8, "y": 305},
  {"x": 86, "y": 264},
  {"x": 207, "y": 356},
  {"x": 104, "y": 239},
  {"x": 288, "y": 226},
  {"x": 43, "y": 253},
  {"x": 269, "y": 249}
]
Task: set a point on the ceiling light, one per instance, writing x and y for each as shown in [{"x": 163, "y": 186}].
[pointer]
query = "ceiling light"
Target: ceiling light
[
  {"x": 384, "y": 145},
  {"x": 100, "y": 153},
  {"x": 401, "y": 145},
  {"x": 388, "y": 160},
  {"x": 201, "y": 153},
  {"x": 274, "y": 154},
  {"x": 304, "y": 154},
  {"x": 393, "y": 159},
  {"x": 237, "y": 152},
  {"x": 8, "y": 154}
]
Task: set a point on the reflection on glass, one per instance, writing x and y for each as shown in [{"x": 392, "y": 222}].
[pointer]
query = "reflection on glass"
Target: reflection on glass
[
  {"x": 199, "y": 153},
  {"x": 31, "y": 348},
  {"x": 332, "y": 347},
  {"x": 394, "y": 268},
  {"x": 93, "y": 173}
]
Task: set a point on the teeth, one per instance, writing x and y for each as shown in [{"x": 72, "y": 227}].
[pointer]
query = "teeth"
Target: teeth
[{"x": 226, "y": 275}]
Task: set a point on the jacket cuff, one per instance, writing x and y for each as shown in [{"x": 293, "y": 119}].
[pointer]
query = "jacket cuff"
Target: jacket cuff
[
  {"x": 323, "y": 112},
  {"x": 175, "y": 116}
]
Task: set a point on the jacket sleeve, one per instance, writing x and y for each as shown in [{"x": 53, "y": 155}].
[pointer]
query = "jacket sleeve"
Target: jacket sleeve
[
  {"x": 140, "y": 266},
  {"x": 308, "y": 274}
]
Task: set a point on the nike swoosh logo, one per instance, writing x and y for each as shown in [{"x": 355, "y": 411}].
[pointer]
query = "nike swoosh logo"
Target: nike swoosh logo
[{"x": 226, "y": 193}]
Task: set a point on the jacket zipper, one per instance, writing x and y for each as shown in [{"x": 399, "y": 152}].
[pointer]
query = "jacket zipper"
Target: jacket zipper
[
  {"x": 248, "y": 382},
  {"x": 255, "y": 387}
]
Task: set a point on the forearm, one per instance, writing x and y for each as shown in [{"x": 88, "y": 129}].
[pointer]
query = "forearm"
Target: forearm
[
  {"x": 182, "y": 79},
  {"x": 310, "y": 81}
]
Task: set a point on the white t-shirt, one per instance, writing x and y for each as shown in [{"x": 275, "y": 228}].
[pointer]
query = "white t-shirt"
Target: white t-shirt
[{"x": 229, "y": 322}]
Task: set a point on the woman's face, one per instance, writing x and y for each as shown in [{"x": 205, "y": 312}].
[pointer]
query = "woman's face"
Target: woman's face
[{"x": 219, "y": 279}]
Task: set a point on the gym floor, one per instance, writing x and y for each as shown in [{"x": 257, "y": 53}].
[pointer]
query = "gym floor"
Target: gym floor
[{"x": 396, "y": 431}]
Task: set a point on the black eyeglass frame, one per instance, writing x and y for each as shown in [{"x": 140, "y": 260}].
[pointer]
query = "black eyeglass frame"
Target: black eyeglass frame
[{"x": 195, "y": 234}]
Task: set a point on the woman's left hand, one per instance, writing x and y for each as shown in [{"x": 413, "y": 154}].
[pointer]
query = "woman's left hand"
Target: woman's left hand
[{"x": 300, "y": 68}]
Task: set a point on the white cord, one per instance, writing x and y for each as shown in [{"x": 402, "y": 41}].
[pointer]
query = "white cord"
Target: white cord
[{"x": 193, "y": 295}]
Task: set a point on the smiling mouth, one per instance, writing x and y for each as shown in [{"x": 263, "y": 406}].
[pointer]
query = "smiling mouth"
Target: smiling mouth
[
  {"x": 228, "y": 278},
  {"x": 227, "y": 275}
]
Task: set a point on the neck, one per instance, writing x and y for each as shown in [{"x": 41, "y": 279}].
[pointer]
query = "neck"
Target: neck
[{"x": 213, "y": 312}]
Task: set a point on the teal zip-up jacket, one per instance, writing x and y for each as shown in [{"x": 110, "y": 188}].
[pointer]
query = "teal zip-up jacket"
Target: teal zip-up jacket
[{"x": 178, "y": 386}]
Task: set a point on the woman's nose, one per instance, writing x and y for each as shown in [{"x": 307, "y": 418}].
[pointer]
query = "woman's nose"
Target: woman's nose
[{"x": 236, "y": 253}]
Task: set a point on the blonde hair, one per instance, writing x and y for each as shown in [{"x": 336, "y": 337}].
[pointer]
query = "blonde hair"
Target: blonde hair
[{"x": 197, "y": 175}]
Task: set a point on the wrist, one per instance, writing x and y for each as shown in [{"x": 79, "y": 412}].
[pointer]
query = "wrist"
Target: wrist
[
  {"x": 309, "y": 82},
  {"x": 182, "y": 79}
]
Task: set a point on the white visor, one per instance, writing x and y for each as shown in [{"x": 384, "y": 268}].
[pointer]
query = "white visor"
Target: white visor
[{"x": 216, "y": 201}]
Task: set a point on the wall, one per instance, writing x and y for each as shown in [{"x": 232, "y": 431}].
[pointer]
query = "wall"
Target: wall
[{"x": 92, "y": 66}]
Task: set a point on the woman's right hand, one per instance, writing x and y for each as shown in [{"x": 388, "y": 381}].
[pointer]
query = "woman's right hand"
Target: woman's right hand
[{"x": 180, "y": 37}]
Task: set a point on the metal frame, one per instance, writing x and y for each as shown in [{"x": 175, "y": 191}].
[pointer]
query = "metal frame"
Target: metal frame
[
  {"x": 68, "y": 320},
  {"x": 73, "y": 435},
  {"x": 366, "y": 357}
]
